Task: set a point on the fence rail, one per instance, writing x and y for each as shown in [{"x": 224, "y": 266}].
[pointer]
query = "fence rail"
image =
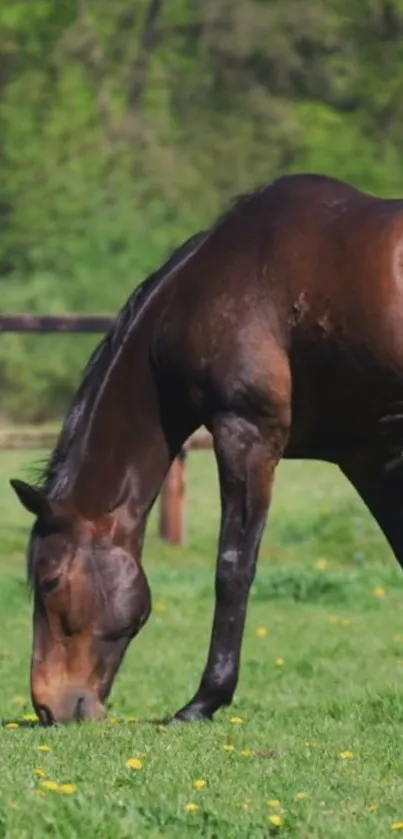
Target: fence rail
[
  {"x": 172, "y": 499},
  {"x": 55, "y": 323}
]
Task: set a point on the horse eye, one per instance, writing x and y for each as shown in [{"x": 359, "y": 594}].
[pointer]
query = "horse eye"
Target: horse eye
[{"x": 49, "y": 585}]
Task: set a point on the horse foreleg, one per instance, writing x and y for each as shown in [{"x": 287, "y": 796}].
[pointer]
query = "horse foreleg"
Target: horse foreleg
[{"x": 247, "y": 453}]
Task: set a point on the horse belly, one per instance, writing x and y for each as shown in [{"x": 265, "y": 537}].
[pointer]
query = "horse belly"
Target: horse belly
[{"x": 339, "y": 396}]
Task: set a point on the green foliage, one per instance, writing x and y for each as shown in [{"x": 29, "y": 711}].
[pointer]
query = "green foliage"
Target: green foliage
[{"x": 127, "y": 126}]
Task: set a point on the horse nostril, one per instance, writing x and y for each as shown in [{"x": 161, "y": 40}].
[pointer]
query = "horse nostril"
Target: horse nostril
[
  {"x": 45, "y": 715},
  {"x": 79, "y": 713}
]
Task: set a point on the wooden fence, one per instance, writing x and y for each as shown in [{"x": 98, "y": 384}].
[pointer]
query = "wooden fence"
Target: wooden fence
[{"x": 172, "y": 500}]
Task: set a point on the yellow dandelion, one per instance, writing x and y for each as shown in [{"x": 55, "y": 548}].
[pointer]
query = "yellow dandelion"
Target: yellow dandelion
[
  {"x": 321, "y": 564},
  {"x": 262, "y": 631},
  {"x": 12, "y": 725},
  {"x": 345, "y": 622},
  {"x": 113, "y": 720},
  {"x": 245, "y": 805},
  {"x": 280, "y": 662},
  {"x": 372, "y": 808},
  {"x": 30, "y": 717},
  {"x": 159, "y": 607},
  {"x": 397, "y": 826},
  {"x": 134, "y": 763},
  {"x": 191, "y": 807},
  {"x": 276, "y": 820},
  {"x": 200, "y": 783},
  {"x": 346, "y": 755},
  {"x": 274, "y": 802},
  {"x": 300, "y": 795},
  {"x": 379, "y": 592},
  {"x": 237, "y": 720},
  {"x": 53, "y": 785},
  {"x": 228, "y": 748},
  {"x": 67, "y": 789},
  {"x": 44, "y": 748},
  {"x": 132, "y": 719},
  {"x": 13, "y": 805},
  {"x": 246, "y": 752},
  {"x": 40, "y": 773}
]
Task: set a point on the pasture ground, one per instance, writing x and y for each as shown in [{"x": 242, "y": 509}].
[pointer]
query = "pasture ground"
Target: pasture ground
[{"x": 312, "y": 746}]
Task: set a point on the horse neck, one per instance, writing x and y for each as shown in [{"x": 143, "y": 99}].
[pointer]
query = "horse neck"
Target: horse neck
[{"x": 132, "y": 437}]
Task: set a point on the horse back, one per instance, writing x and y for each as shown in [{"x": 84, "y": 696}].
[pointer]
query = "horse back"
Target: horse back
[
  {"x": 297, "y": 295},
  {"x": 308, "y": 257}
]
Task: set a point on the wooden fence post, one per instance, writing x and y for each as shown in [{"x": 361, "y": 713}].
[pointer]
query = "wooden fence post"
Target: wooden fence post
[{"x": 172, "y": 502}]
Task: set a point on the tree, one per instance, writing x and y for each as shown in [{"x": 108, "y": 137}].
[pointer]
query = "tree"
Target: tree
[{"x": 127, "y": 126}]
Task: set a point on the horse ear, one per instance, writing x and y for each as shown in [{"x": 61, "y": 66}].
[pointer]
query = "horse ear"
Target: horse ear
[{"x": 34, "y": 500}]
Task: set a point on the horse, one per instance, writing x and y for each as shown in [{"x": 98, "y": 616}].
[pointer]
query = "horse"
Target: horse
[{"x": 279, "y": 329}]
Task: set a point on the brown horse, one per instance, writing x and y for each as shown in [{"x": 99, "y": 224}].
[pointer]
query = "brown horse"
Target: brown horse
[{"x": 280, "y": 330}]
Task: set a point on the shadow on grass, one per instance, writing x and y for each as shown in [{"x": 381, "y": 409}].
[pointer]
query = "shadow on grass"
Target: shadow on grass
[
  {"x": 20, "y": 723},
  {"x": 17, "y": 722}
]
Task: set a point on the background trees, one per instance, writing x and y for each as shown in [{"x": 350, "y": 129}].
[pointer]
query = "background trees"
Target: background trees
[{"x": 127, "y": 125}]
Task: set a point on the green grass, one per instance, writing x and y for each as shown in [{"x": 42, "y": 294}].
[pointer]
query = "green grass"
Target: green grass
[{"x": 338, "y": 688}]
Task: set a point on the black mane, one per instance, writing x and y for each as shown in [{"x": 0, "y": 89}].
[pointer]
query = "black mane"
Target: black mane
[{"x": 53, "y": 478}]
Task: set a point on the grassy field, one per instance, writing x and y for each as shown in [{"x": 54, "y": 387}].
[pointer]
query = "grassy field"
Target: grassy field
[{"x": 310, "y": 748}]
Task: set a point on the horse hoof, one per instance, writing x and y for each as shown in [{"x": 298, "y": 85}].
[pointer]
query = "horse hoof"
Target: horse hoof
[{"x": 190, "y": 714}]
